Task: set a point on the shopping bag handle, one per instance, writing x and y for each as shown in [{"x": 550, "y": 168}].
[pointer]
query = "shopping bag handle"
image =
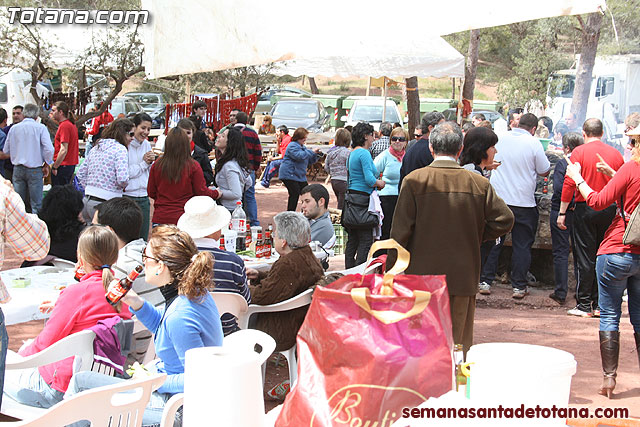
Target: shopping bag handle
[
  {"x": 422, "y": 298},
  {"x": 402, "y": 262}
]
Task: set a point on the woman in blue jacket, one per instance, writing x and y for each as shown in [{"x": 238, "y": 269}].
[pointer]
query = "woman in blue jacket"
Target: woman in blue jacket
[
  {"x": 189, "y": 320},
  {"x": 293, "y": 170}
]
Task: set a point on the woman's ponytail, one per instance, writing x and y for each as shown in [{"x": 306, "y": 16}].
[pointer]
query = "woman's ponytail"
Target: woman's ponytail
[{"x": 197, "y": 278}]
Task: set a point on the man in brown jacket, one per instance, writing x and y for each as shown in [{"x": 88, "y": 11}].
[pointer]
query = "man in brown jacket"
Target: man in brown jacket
[{"x": 443, "y": 214}]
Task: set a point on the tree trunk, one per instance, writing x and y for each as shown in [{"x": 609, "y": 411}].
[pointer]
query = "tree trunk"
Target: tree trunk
[
  {"x": 590, "y": 38},
  {"x": 413, "y": 103},
  {"x": 471, "y": 67},
  {"x": 314, "y": 87}
]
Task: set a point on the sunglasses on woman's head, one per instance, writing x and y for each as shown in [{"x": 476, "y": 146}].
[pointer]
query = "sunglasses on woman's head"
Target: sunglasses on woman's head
[{"x": 398, "y": 138}]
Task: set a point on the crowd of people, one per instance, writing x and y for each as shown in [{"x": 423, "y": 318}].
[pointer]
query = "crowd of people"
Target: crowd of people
[
  {"x": 450, "y": 196},
  {"x": 101, "y": 217}
]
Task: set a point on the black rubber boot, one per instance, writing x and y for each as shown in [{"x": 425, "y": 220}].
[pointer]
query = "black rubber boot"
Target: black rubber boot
[
  {"x": 609, "y": 352},
  {"x": 637, "y": 337}
]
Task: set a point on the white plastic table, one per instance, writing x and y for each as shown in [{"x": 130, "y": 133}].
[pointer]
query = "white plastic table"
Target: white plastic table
[{"x": 24, "y": 303}]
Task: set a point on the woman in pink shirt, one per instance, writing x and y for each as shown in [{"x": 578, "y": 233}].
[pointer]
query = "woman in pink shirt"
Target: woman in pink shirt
[
  {"x": 617, "y": 264},
  {"x": 79, "y": 307}
]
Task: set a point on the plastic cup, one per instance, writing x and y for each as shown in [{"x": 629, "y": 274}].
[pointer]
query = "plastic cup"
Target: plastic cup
[
  {"x": 254, "y": 232},
  {"x": 230, "y": 240}
]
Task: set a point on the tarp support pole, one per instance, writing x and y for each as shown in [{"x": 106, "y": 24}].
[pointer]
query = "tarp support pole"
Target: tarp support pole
[{"x": 384, "y": 98}]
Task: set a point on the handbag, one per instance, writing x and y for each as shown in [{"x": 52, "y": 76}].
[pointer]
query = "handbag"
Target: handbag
[
  {"x": 632, "y": 228},
  {"x": 370, "y": 346},
  {"x": 355, "y": 212}
]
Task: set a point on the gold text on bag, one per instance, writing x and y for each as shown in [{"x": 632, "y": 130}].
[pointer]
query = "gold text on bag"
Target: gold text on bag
[{"x": 345, "y": 401}]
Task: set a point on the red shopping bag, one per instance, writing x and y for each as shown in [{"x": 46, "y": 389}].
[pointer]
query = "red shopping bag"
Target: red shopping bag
[{"x": 370, "y": 346}]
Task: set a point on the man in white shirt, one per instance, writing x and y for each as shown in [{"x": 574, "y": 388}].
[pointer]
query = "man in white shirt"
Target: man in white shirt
[
  {"x": 31, "y": 151},
  {"x": 523, "y": 159}
]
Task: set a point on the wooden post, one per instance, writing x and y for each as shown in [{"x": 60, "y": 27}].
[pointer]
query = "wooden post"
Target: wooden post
[{"x": 384, "y": 98}]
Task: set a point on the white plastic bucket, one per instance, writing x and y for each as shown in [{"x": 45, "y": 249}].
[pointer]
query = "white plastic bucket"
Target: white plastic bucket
[{"x": 511, "y": 374}]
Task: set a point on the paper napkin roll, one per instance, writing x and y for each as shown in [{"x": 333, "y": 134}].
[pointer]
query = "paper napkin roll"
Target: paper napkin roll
[{"x": 222, "y": 387}]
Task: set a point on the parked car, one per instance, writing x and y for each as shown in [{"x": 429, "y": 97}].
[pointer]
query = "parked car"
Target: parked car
[
  {"x": 265, "y": 103},
  {"x": 369, "y": 110},
  {"x": 492, "y": 116},
  {"x": 121, "y": 105},
  {"x": 154, "y": 103},
  {"x": 304, "y": 112}
]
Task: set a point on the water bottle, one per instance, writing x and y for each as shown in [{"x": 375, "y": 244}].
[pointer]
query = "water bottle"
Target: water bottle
[{"x": 238, "y": 219}]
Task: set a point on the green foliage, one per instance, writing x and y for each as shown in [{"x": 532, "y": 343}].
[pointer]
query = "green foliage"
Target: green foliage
[
  {"x": 537, "y": 57},
  {"x": 520, "y": 57},
  {"x": 626, "y": 15}
]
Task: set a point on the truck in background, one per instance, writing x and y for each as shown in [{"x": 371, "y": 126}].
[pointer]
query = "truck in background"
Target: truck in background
[
  {"x": 14, "y": 89},
  {"x": 615, "y": 93}
]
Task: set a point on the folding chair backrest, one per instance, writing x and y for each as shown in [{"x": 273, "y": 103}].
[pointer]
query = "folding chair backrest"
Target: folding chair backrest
[
  {"x": 297, "y": 301},
  {"x": 120, "y": 404},
  {"x": 230, "y": 302},
  {"x": 79, "y": 345}
]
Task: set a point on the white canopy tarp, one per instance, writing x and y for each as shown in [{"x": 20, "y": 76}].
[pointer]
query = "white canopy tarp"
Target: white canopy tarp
[{"x": 359, "y": 37}]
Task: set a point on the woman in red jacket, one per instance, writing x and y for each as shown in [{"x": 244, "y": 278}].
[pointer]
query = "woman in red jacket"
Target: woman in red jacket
[
  {"x": 79, "y": 307},
  {"x": 617, "y": 263},
  {"x": 175, "y": 178}
]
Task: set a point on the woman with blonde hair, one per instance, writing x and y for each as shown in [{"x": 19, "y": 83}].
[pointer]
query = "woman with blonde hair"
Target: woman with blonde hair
[
  {"x": 388, "y": 165},
  {"x": 617, "y": 263},
  {"x": 267, "y": 127},
  {"x": 175, "y": 178},
  {"x": 189, "y": 319},
  {"x": 80, "y": 306}
]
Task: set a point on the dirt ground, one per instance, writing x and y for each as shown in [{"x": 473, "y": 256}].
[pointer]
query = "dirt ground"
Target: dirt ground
[{"x": 499, "y": 318}]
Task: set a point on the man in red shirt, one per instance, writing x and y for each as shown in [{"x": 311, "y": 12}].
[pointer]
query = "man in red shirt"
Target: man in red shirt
[
  {"x": 65, "y": 155},
  {"x": 589, "y": 225},
  {"x": 99, "y": 123}
]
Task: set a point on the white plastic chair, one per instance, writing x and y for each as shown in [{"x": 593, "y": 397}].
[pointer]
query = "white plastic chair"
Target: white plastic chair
[
  {"x": 79, "y": 345},
  {"x": 150, "y": 354},
  {"x": 358, "y": 269},
  {"x": 170, "y": 409},
  {"x": 300, "y": 300},
  {"x": 62, "y": 263},
  {"x": 230, "y": 302},
  {"x": 119, "y": 404}
]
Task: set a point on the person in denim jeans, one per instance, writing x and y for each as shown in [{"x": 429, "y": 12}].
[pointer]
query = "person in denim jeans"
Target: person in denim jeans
[
  {"x": 31, "y": 152},
  {"x": 617, "y": 263}
]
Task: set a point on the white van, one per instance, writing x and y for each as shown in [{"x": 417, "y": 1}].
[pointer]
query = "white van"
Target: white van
[
  {"x": 369, "y": 110},
  {"x": 14, "y": 89}
]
